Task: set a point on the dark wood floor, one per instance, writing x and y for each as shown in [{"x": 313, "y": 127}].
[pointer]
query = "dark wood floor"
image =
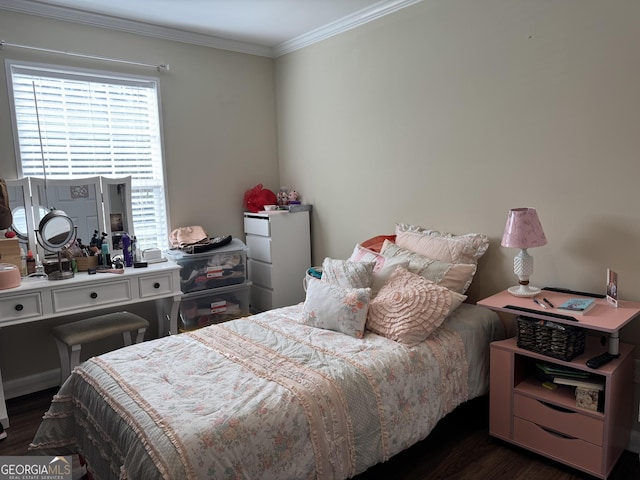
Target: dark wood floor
[{"x": 459, "y": 448}]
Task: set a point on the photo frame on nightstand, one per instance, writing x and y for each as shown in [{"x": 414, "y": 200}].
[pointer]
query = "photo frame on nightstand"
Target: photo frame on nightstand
[{"x": 612, "y": 287}]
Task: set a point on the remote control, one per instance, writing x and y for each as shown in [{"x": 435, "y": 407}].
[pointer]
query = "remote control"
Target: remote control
[{"x": 599, "y": 360}]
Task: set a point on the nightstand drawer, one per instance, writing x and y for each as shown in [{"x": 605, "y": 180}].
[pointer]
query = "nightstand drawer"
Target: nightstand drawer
[
  {"x": 107, "y": 293},
  {"x": 572, "y": 451},
  {"x": 20, "y": 306},
  {"x": 573, "y": 424}
]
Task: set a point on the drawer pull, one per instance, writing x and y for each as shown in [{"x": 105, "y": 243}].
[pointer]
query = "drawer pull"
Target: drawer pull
[
  {"x": 556, "y": 407},
  {"x": 94, "y": 295},
  {"x": 557, "y": 434},
  {"x": 156, "y": 285},
  {"x": 19, "y": 307}
]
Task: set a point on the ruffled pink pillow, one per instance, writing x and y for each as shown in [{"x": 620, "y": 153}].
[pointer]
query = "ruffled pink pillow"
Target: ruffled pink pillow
[{"x": 408, "y": 308}]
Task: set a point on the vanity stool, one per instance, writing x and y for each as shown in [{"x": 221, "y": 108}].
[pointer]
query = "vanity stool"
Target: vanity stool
[{"x": 70, "y": 336}]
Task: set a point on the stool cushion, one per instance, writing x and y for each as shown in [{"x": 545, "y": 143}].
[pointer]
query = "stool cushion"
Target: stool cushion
[{"x": 96, "y": 328}]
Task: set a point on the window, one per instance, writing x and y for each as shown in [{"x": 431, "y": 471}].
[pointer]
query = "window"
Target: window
[{"x": 75, "y": 123}]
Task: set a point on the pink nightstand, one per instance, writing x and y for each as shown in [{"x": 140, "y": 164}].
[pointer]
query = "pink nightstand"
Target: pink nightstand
[{"x": 548, "y": 422}]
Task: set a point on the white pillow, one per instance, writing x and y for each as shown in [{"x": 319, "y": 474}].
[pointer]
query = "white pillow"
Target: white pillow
[
  {"x": 454, "y": 276},
  {"x": 346, "y": 273},
  {"x": 384, "y": 265},
  {"x": 332, "y": 307}
]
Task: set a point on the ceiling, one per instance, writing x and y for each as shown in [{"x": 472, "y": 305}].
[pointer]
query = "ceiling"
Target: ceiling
[{"x": 262, "y": 27}]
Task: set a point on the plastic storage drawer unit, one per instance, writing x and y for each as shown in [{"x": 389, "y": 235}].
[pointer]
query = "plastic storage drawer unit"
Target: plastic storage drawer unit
[
  {"x": 214, "y": 306},
  {"x": 220, "y": 267}
]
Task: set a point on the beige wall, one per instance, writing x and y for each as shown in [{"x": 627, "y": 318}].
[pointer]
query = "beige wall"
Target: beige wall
[
  {"x": 450, "y": 112},
  {"x": 219, "y": 136}
]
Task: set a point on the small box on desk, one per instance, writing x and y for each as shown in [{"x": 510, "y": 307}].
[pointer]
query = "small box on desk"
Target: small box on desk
[
  {"x": 10, "y": 252},
  {"x": 587, "y": 397}
]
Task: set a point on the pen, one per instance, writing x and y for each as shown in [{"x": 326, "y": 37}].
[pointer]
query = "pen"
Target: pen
[
  {"x": 537, "y": 302},
  {"x": 548, "y": 303}
]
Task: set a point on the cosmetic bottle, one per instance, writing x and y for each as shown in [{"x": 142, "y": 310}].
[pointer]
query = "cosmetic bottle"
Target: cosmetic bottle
[{"x": 126, "y": 250}]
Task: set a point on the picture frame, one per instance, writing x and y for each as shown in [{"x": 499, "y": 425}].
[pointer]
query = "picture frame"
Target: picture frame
[{"x": 612, "y": 287}]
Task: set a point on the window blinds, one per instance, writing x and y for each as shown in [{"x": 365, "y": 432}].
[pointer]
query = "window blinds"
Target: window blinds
[{"x": 77, "y": 124}]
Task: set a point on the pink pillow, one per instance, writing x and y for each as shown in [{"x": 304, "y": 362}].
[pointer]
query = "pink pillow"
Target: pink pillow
[
  {"x": 445, "y": 247},
  {"x": 408, "y": 308}
]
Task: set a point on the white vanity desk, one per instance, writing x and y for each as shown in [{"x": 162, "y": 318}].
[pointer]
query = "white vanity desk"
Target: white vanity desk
[{"x": 38, "y": 299}]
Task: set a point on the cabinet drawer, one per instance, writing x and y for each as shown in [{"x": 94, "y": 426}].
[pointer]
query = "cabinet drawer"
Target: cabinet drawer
[
  {"x": 259, "y": 248},
  {"x": 155, "y": 285},
  {"x": 261, "y": 298},
  {"x": 257, "y": 225},
  {"x": 573, "y": 424},
  {"x": 20, "y": 306},
  {"x": 572, "y": 451},
  {"x": 108, "y": 293},
  {"x": 260, "y": 273}
]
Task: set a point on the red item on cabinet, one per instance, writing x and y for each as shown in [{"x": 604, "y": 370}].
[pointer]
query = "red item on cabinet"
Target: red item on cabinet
[{"x": 256, "y": 198}]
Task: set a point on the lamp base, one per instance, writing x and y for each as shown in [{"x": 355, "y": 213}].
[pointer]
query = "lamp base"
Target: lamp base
[{"x": 523, "y": 291}]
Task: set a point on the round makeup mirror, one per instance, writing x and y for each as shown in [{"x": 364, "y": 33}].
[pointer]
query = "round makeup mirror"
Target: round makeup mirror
[{"x": 55, "y": 233}]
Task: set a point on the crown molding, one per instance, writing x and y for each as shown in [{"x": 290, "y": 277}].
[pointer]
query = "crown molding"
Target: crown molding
[
  {"x": 349, "y": 22},
  {"x": 340, "y": 26},
  {"x": 130, "y": 26}
]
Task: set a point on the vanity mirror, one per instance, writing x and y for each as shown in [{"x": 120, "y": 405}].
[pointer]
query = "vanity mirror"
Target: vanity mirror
[
  {"x": 19, "y": 201},
  {"x": 90, "y": 203},
  {"x": 56, "y": 232}
]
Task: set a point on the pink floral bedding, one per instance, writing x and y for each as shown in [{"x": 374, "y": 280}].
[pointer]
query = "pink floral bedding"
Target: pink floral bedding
[{"x": 265, "y": 397}]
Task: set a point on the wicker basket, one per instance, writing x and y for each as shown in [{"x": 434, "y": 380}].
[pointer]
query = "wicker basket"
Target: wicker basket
[{"x": 556, "y": 340}]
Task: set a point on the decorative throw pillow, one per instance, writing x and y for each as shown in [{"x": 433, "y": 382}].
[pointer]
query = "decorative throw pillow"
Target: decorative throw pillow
[
  {"x": 346, "y": 273},
  {"x": 456, "y": 277},
  {"x": 409, "y": 308},
  {"x": 445, "y": 247},
  {"x": 332, "y": 307},
  {"x": 384, "y": 266}
]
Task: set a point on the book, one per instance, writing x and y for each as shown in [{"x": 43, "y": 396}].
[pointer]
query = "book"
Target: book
[
  {"x": 591, "y": 384},
  {"x": 578, "y": 306}
]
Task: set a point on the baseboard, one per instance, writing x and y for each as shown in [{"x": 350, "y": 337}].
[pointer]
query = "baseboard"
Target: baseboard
[
  {"x": 31, "y": 384},
  {"x": 634, "y": 442}
]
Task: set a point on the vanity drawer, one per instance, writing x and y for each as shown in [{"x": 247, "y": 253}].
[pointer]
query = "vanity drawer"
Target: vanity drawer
[
  {"x": 107, "y": 293},
  {"x": 259, "y": 248},
  {"x": 571, "y": 451},
  {"x": 570, "y": 423},
  {"x": 20, "y": 306},
  {"x": 153, "y": 285}
]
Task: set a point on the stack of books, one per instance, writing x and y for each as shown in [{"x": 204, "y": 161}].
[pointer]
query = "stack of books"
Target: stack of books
[
  {"x": 569, "y": 376},
  {"x": 587, "y": 386}
]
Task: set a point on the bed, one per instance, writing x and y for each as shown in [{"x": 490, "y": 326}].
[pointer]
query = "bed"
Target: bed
[{"x": 274, "y": 395}]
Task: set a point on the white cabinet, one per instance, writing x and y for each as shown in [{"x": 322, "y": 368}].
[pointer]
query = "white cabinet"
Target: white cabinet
[{"x": 279, "y": 255}]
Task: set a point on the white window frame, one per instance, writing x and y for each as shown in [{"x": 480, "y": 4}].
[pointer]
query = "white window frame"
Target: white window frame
[{"x": 138, "y": 185}]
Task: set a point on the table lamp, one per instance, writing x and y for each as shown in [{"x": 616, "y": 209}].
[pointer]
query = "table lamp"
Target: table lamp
[{"x": 523, "y": 230}]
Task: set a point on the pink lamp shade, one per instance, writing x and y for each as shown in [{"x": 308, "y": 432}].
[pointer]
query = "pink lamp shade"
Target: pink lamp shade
[{"x": 523, "y": 229}]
